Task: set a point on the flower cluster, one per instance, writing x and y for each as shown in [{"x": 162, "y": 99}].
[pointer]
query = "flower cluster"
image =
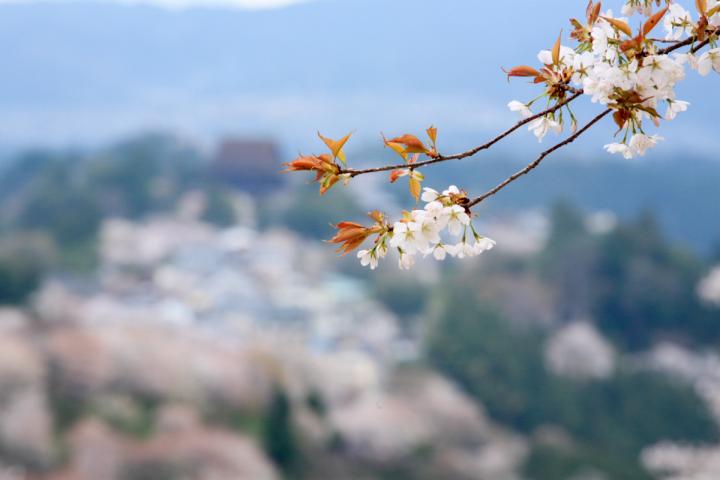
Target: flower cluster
[
  {"x": 624, "y": 70},
  {"x": 419, "y": 232}
]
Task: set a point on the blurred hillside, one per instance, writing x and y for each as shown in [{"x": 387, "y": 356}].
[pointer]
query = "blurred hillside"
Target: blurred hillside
[{"x": 162, "y": 322}]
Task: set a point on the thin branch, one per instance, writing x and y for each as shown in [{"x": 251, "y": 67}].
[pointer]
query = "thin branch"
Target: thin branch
[
  {"x": 663, "y": 40},
  {"x": 705, "y": 42},
  {"x": 531, "y": 166},
  {"x": 469, "y": 153},
  {"x": 689, "y": 41}
]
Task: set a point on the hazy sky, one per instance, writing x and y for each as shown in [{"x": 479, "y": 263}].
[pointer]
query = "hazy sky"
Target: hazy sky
[{"x": 174, "y": 4}]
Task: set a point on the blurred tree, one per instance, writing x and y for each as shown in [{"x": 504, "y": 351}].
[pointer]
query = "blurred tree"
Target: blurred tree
[
  {"x": 24, "y": 259},
  {"x": 503, "y": 367},
  {"x": 644, "y": 289},
  {"x": 279, "y": 436},
  {"x": 308, "y": 213},
  {"x": 219, "y": 210},
  {"x": 631, "y": 281},
  {"x": 568, "y": 261}
]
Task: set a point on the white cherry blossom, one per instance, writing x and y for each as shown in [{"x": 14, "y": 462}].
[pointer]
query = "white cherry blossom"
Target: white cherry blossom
[
  {"x": 368, "y": 257},
  {"x": 406, "y": 261},
  {"x": 458, "y": 219},
  {"x": 620, "y": 148},
  {"x": 429, "y": 195},
  {"x": 708, "y": 62},
  {"x": 543, "y": 125},
  {"x": 567, "y": 55},
  {"x": 452, "y": 190},
  {"x": 407, "y": 236},
  {"x": 641, "y": 143},
  {"x": 483, "y": 244},
  {"x": 439, "y": 252},
  {"x": 677, "y": 22},
  {"x": 521, "y": 108},
  {"x": 675, "y": 107}
]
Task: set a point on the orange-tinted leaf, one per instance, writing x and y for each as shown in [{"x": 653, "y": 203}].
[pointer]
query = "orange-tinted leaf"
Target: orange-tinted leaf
[
  {"x": 350, "y": 235},
  {"x": 302, "y": 163},
  {"x": 326, "y": 159},
  {"x": 522, "y": 71},
  {"x": 556, "y": 51},
  {"x": 344, "y": 225},
  {"x": 411, "y": 143},
  {"x": 377, "y": 216},
  {"x": 632, "y": 44},
  {"x": 701, "y": 6},
  {"x": 653, "y": 21},
  {"x": 432, "y": 134},
  {"x": 336, "y": 146},
  {"x": 415, "y": 188},
  {"x": 328, "y": 182},
  {"x": 397, "y": 148},
  {"x": 620, "y": 25},
  {"x": 594, "y": 13},
  {"x": 395, "y": 174}
]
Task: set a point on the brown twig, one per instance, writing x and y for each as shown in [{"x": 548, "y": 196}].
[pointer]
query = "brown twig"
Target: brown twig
[
  {"x": 705, "y": 42},
  {"x": 469, "y": 153},
  {"x": 689, "y": 41},
  {"x": 531, "y": 166}
]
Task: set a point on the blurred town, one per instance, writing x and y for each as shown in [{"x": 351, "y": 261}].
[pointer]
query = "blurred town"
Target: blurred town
[{"x": 172, "y": 313}]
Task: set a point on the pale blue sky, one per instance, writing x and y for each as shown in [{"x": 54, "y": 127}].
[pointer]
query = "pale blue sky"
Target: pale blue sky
[{"x": 180, "y": 4}]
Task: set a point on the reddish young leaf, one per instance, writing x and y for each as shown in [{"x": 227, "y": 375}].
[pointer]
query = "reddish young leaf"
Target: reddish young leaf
[
  {"x": 701, "y": 6},
  {"x": 522, "y": 71},
  {"x": 432, "y": 134},
  {"x": 336, "y": 146},
  {"x": 411, "y": 143},
  {"x": 395, "y": 174},
  {"x": 416, "y": 179},
  {"x": 620, "y": 25},
  {"x": 556, "y": 51},
  {"x": 415, "y": 188},
  {"x": 377, "y": 216},
  {"x": 397, "y": 148},
  {"x": 653, "y": 21},
  {"x": 593, "y": 12}
]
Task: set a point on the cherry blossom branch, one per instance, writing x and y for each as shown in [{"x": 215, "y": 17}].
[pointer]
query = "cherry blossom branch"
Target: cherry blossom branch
[
  {"x": 531, "y": 166},
  {"x": 627, "y": 73},
  {"x": 576, "y": 93}
]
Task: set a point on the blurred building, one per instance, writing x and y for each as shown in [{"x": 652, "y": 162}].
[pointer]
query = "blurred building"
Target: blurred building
[{"x": 250, "y": 165}]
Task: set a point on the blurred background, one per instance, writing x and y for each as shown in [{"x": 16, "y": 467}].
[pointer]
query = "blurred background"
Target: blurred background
[{"x": 170, "y": 312}]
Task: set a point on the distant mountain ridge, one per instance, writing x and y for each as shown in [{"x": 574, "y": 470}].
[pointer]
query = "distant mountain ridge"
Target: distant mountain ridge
[{"x": 88, "y": 72}]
